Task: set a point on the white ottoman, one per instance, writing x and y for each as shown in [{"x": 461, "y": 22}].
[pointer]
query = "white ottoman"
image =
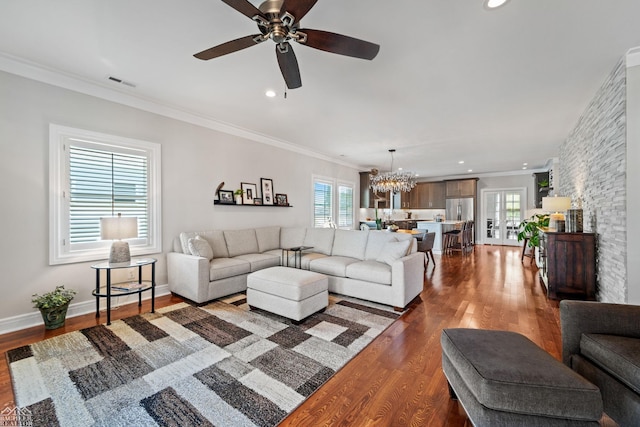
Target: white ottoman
[{"x": 288, "y": 292}]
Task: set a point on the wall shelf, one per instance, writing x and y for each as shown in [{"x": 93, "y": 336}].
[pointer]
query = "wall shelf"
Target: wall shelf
[{"x": 217, "y": 203}]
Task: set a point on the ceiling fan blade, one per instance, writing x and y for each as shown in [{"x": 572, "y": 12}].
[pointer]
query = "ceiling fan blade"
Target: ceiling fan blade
[
  {"x": 297, "y": 8},
  {"x": 245, "y": 8},
  {"x": 338, "y": 43},
  {"x": 288, "y": 65},
  {"x": 229, "y": 47}
]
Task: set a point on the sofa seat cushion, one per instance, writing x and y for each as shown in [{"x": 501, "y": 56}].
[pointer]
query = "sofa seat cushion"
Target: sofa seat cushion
[
  {"x": 221, "y": 268},
  {"x": 370, "y": 271},
  {"x": 307, "y": 258},
  {"x": 506, "y": 371},
  {"x": 260, "y": 261},
  {"x": 618, "y": 355},
  {"x": 332, "y": 265}
]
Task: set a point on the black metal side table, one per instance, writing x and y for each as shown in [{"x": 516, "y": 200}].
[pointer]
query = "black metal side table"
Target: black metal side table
[
  {"x": 108, "y": 290},
  {"x": 297, "y": 255}
]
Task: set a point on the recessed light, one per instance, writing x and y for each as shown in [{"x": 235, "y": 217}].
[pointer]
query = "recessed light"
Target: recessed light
[
  {"x": 469, "y": 170},
  {"x": 461, "y": 162},
  {"x": 525, "y": 164},
  {"x": 524, "y": 167},
  {"x": 494, "y": 4},
  {"x": 270, "y": 93}
]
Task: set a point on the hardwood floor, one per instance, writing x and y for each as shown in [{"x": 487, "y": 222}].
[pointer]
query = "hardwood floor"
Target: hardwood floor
[{"x": 398, "y": 380}]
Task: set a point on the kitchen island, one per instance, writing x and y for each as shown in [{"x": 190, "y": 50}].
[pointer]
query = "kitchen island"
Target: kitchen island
[{"x": 439, "y": 228}]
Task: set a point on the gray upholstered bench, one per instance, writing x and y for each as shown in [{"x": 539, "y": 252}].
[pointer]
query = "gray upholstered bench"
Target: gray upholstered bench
[
  {"x": 288, "y": 292},
  {"x": 503, "y": 379}
]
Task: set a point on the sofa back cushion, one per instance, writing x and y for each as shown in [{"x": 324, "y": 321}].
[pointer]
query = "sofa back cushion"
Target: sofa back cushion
[
  {"x": 393, "y": 251},
  {"x": 350, "y": 243},
  {"x": 241, "y": 242},
  {"x": 321, "y": 239},
  {"x": 376, "y": 242},
  {"x": 291, "y": 237},
  {"x": 215, "y": 238},
  {"x": 268, "y": 238}
]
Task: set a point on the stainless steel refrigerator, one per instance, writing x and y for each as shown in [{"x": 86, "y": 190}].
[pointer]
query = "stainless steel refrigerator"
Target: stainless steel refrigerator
[{"x": 460, "y": 209}]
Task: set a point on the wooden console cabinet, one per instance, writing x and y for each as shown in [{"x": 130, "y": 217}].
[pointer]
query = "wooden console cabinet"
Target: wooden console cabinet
[{"x": 568, "y": 265}]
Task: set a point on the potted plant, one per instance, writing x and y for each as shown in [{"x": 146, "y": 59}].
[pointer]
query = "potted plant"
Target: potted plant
[
  {"x": 53, "y": 306},
  {"x": 238, "y": 193},
  {"x": 530, "y": 229}
]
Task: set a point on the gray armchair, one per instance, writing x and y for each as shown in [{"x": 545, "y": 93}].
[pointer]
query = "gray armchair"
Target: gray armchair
[{"x": 601, "y": 342}]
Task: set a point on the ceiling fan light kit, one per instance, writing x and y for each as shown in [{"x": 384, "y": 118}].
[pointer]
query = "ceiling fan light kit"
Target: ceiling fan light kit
[{"x": 279, "y": 20}]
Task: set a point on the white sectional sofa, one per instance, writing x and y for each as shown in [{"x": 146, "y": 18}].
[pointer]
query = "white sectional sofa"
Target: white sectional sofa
[{"x": 378, "y": 266}]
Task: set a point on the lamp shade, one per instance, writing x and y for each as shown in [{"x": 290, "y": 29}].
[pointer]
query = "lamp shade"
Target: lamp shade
[
  {"x": 118, "y": 227},
  {"x": 556, "y": 204}
]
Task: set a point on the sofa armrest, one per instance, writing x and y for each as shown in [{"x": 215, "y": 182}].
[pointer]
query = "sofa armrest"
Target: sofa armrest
[
  {"x": 407, "y": 274},
  {"x": 589, "y": 317},
  {"x": 188, "y": 276}
]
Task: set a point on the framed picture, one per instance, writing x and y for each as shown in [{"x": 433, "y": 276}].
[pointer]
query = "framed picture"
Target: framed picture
[
  {"x": 281, "y": 200},
  {"x": 267, "y": 191},
  {"x": 257, "y": 201},
  {"x": 226, "y": 197},
  {"x": 249, "y": 192}
]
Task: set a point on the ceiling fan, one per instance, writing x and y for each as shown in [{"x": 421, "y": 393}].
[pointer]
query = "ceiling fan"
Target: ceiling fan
[{"x": 279, "y": 20}]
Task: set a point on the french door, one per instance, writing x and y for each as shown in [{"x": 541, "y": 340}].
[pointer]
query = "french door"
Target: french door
[{"x": 502, "y": 213}]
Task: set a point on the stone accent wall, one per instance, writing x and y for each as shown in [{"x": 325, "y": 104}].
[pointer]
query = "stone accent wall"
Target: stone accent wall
[{"x": 593, "y": 171}]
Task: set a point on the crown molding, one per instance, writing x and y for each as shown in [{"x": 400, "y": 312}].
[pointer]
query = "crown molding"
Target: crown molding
[
  {"x": 633, "y": 57},
  {"x": 58, "y": 78}
]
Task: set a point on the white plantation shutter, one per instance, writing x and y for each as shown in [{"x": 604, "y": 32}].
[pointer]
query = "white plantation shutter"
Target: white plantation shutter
[
  {"x": 103, "y": 184},
  {"x": 345, "y": 206},
  {"x": 94, "y": 175},
  {"x": 322, "y": 203},
  {"x": 331, "y": 206}
]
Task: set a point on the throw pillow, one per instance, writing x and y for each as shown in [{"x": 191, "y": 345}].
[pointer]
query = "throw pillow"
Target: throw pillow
[
  {"x": 200, "y": 247},
  {"x": 393, "y": 251}
]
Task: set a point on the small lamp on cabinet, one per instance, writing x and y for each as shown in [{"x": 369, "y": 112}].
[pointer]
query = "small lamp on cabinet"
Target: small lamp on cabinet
[
  {"x": 555, "y": 205},
  {"x": 118, "y": 228}
]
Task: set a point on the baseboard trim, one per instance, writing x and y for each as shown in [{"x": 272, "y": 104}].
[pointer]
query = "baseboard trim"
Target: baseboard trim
[{"x": 24, "y": 321}]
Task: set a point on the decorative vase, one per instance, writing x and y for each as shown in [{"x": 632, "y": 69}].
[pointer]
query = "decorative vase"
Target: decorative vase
[
  {"x": 378, "y": 223},
  {"x": 238, "y": 200},
  {"x": 54, "y": 317}
]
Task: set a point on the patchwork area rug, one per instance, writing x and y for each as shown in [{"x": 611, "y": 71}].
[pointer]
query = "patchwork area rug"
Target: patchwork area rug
[{"x": 220, "y": 364}]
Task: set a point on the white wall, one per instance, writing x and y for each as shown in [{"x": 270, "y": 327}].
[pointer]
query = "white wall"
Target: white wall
[
  {"x": 633, "y": 177},
  {"x": 194, "y": 161}
]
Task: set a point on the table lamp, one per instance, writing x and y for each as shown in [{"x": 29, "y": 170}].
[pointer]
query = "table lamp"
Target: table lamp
[
  {"x": 556, "y": 205},
  {"x": 117, "y": 228}
]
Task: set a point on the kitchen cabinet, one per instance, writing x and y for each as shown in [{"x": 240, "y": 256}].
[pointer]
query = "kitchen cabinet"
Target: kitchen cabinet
[
  {"x": 367, "y": 196},
  {"x": 568, "y": 267},
  {"x": 461, "y": 188},
  {"x": 425, "y": 195},
  {"x": 436, "y": 198}
]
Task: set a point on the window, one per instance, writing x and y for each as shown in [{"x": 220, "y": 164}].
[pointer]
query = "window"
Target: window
[
  {"x": 95, "y": 175},
  {"x": 330, "y": 207}
]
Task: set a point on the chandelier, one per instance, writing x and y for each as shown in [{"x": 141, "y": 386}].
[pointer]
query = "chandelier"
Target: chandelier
[{"x": 391, "y": 181}]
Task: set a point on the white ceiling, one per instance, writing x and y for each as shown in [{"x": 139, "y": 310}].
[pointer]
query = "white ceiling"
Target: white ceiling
[{"x": 452, "y": 81}]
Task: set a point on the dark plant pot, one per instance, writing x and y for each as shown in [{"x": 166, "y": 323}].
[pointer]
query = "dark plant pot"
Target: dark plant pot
[
  {"x": 378, "y": 224},
  {"x": 54, "y": 317}
]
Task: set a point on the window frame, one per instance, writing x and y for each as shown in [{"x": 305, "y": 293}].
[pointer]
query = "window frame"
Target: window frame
[
  {"x": 335, "y": 202},
  {"x": 60, "y": 137}
]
